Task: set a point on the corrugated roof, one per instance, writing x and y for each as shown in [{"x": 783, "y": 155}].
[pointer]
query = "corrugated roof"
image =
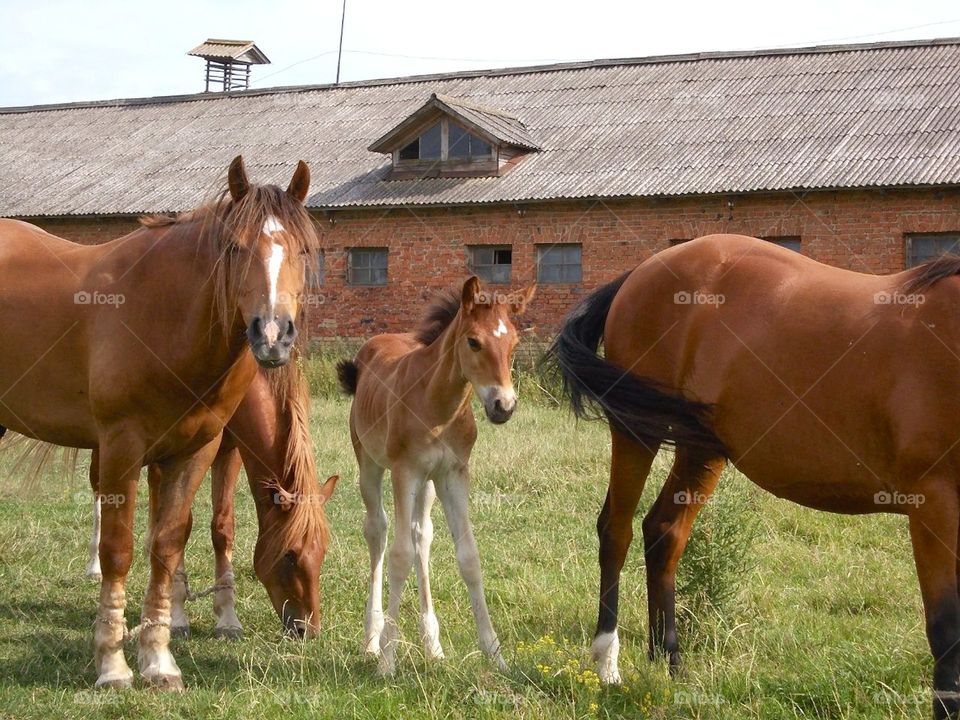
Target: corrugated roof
[
  {"x": 499, "y": 125},
  {"x": 876, "y": 115}
]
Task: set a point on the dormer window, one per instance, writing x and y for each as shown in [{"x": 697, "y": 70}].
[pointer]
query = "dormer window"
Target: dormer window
[{"x": 450, "y": 137}]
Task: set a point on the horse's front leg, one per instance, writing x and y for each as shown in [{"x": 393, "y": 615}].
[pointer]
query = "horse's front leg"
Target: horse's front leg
[
  {"x": 120, "y": 460},
  {"x": 93, "y": 564},
  {"x": 173, "y": 487},
  {"x": 454, "y": 492},
  {"x": 226, "y": 469}
]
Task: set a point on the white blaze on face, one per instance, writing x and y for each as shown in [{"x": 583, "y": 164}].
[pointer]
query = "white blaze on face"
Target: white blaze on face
[
  {"x": 271, "y": 329},
  {"x": 272, "y": 225},
  {"x": 501, "y": 330}
]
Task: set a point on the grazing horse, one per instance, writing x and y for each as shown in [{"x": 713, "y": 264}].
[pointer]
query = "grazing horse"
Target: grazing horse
[
  {"x": 269, "y": 435},
  {"x": 411, "y": 413},
  {"x": 142, "y": 348},
  {"x": 834, "y": 389}
]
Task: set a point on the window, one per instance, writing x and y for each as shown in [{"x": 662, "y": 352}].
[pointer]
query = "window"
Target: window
[
  {"x": 921, "y": 248},
  {"x": 462, "y": 144},
  {"x": 458, "y": 144},
  {"x": 491, "y": 263},
  {"x": 559, "y": 263},
  {"x": 315, "y": 273},
  {"x": 367, "y": 266},
  {"x": 790, "y": 242}
]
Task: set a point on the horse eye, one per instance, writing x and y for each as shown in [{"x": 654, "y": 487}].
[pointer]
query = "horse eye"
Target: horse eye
[
  {"x": 290, "y": 557},
  {"x": 474, "y": 344}
]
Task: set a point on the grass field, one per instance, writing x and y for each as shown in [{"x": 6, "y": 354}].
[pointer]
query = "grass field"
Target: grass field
[{"x": 821, "y": 617}]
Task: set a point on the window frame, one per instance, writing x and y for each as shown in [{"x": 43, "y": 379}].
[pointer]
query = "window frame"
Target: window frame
[
  {"x": 445, "y": 158},
  {"x": 473, "y": 266},
  {"x": 785, "y": 241},
  {"x": 911, "y": 238},
  {"x": 364, "y": 251},
  {"x": 544, "y": 248}
]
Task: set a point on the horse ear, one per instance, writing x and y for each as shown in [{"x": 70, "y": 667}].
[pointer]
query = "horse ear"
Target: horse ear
[
  {"x": 326, "y": 490},
  {"x": 522, "y": 298},
  {"x": 300, "y": 182},
  {"x": 470, "y": 294},
  {"x": 237, "y": 179}
]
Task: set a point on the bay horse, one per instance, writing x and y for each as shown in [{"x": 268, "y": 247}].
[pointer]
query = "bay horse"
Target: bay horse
[
  {"x": 834, "y": 389},
  {"x": 411, "y": 413},
  {"x": 142, "y": 348},
  {"x": 269, "y": 436}
]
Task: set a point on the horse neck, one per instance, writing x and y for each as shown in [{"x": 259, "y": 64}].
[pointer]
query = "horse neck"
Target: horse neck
[{"x": 448, "y": 391}]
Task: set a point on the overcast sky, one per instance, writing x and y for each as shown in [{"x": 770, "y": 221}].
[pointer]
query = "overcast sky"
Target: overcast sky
[{"x": 67, "y": 50}]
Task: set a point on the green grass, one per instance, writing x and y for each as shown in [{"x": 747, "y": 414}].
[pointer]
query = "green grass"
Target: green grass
[{"x": 822, "y": 620}]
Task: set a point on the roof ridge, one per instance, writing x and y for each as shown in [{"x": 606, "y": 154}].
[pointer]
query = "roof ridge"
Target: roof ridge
[
  {"x": 494, "y": 72},
  {"x": 454, "y": 101}
]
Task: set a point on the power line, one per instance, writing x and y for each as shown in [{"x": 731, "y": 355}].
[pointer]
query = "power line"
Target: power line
[{"x": 343, "y": 17}]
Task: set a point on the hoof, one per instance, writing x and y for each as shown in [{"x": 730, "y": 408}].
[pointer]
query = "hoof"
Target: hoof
[
  {"x": 228, "y": 633},
  {"x": 180, "y": 631},
  {"x": 93, "y": 575},
  {"x": 386, "y": 668},
  {"x": 164, "y": 682},
  {"x": 116, "y": 682},
  {"x": 501, "y": 663},
  {"x": 371, "y": 648}
]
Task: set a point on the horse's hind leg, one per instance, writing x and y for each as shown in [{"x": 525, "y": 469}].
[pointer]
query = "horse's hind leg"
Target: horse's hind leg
[
  {"x": 226, "y": 470},
  {"x": 422, "y": 539},
  {"x": 375, "y": 532},
  {"x": 630, "y": 463},
  {"x": 666, "y": 529},
  {"x": 93, "y": 563},
  {"x": 934, "y": 527}
]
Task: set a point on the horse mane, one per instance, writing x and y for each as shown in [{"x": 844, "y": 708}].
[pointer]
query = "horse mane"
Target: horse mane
[
  {"x": 438, "y": 317},
  {"x": 923, "y": 276},
  {"x": 299, "y": 483},
  {"x": 222, "y": 224}
]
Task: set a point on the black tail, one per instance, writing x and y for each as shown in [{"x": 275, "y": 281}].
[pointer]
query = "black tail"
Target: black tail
[
  {"x": 637, "y": 407},
  {"x": 348, "y": 373}
]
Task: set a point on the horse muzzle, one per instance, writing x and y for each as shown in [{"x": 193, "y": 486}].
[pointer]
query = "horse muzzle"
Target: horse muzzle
[
  {"x": 498, "y": 403},
  {"x": 272, "y": 341}
]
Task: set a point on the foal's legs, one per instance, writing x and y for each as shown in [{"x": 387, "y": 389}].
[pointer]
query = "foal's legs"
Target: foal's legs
[
  {"x": 120, "y": 461},
  {"x": 666, "y": 529},
  {"x": 173, "y": 486},
  {"x": 406, "y": 486},
  {"x": 933, "y": 531},
  {"x": 422, "y": 539},
  {"x": 93, "y": 564},
  {"x": 375, "y": 532},
  {"x": 453, "y": 491},
  {"x": 630, "y": 463},
  {"x": 226, "y": 470}
]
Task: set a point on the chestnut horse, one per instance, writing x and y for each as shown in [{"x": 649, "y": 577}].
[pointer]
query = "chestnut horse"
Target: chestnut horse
[
  {"x": 141, "y": 349},
  {"x": 834, "y": 389},
  {"x": 411, "y": 413},
  {"x": 269, "y": 435}
]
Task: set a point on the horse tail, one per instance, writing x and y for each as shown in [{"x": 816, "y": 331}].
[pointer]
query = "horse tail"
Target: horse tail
[
  {"x": 637, "y": 407},
  {"x": 348, "y": 373}
]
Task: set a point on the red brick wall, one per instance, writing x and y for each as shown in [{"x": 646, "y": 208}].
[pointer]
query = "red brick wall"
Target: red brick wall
[{"x": 860, "y": 230}]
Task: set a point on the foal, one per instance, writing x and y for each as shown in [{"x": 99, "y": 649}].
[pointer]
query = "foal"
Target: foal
[{"x": 411, "y": 413}]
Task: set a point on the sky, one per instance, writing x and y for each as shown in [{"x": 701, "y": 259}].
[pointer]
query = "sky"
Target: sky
[{"x": 55, "y": 51}]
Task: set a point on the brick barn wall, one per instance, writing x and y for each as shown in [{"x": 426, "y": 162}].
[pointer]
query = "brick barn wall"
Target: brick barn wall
[{"x": 860, "y": 230}]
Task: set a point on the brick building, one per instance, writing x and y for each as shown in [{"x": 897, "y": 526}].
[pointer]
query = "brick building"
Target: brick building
[{"x": 568, "y": 174}]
